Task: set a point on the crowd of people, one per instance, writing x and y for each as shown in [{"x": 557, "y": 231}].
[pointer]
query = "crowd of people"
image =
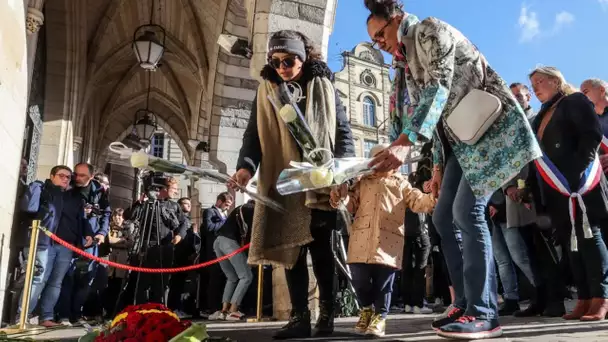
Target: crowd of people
[
  {"x": 154, "y": 232},
  {"x": 503, "y": 192}
]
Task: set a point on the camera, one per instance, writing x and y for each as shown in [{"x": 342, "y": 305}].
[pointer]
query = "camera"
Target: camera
[
  {"x": 95, "y": 209},
  {"x": 153, "y": 183}
]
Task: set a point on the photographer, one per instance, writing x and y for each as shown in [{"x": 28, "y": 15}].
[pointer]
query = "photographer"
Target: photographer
[
  {"x": 83, "y": 272},
  {"x": 156, "y": 239}
]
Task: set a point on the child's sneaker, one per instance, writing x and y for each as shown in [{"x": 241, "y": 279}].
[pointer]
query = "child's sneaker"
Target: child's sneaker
[
  {"x": 376, "y": 327},
  {"x": 422, "y": 311},
  {"x": 408, "y": 309},
  {"x": 365, "y": 317},
  {"x": 218, "y": 316},
  {"x": 235, "y": 316}
]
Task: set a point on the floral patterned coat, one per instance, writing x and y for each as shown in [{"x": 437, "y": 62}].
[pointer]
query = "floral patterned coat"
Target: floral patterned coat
[
  {"x": 378, "y": 233},
  {"x": 435, "y": 68}
]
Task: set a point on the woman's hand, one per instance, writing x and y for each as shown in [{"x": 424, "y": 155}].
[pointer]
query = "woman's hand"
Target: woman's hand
[
  {"x": 392, "y": 157},
  {"x": 240, "y": 179},
  {"x": 436, "y": 181}
]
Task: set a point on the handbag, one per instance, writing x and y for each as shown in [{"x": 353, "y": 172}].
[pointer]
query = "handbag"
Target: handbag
[{"x": 474, "y": 114}]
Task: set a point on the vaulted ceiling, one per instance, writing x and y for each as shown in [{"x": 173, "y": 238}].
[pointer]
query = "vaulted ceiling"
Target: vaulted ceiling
[{"x": 115, "y": 84}]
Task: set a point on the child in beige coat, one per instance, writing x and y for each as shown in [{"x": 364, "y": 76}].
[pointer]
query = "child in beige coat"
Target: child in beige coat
[{"x": 377, "y": 236}]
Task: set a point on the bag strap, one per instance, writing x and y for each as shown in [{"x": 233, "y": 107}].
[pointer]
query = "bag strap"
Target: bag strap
[
  {"x": 484, "y": 67},
  {"x": 546, "y": 119},
  {"x": 242, "y": 225}
]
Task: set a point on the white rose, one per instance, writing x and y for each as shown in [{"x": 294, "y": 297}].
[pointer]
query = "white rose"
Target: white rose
[
  {"x": 139, "y": 159},
  {"x": 288, "y": 113},
  {"x": 322, "y": 177}
]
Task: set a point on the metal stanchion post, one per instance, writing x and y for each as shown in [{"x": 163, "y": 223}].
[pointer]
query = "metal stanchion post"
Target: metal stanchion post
[
  {"x": 260, "y": 303},
  {"x": 22, "y": 326}
]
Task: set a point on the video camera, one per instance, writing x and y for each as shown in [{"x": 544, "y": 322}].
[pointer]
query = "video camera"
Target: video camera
[
  {"x": 153, "y": 183},
  {"x": 95, "y": 209}
]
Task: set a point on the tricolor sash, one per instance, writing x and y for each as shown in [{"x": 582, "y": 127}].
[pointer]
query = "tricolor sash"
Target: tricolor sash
[
  {"x": 554, "y": 178},
  {"x": 604, "y": 144}
]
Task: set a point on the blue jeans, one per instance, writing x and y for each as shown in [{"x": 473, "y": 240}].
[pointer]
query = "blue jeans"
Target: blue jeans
[
  {"x": 590, "y": 264},
  {"x": 237, "y": 271},
  {"x": 46, "y": 285},
  {"x": 471, "y": 268},
  {"x": 510, "y": 249},
  {"x": 373, "y": 285}
]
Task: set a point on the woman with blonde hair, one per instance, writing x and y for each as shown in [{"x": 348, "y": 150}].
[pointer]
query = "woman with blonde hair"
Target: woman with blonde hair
[{"x": 569, "y": 187}]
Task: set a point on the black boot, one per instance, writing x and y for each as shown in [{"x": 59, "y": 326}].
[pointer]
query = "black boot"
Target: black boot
[
  {"x": 554, "y": 309},
  {"x": 325, "y": 323},
  {"x": 537, "y": 304},
  {"x": 297, "y": 327},
  {"x": 509, "y": 307}
]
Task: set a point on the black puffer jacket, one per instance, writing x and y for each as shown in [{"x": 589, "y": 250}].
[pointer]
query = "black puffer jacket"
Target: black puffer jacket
[{"x": 251, "y": 151}]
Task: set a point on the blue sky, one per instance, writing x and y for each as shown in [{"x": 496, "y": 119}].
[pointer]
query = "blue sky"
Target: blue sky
[{"x": 514, "y": 36}]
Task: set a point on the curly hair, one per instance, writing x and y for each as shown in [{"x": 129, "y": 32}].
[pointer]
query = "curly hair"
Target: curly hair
[
  {"x": 385, "y": 9},
  {"x": 312, "y": 53}
]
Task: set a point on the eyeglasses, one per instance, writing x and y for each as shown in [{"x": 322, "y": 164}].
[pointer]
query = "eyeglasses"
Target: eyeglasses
[
  {"x": 380, "y": 33},
  {"x": 63, "y": 176},
  {"x": 287, "y": 62}
]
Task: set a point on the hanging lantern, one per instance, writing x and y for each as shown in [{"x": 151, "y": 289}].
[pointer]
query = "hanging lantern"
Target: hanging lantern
[
  {"x": 149, "y": 45},
  {"x": 145, "y": 125}
]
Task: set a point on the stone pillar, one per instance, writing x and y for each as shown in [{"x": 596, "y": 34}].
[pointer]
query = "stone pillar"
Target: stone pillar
[
  {"x": 13, "y": 97},
  {"x": 66, "y": 47},
  {"x": 122, "y": 184},
  {"x": 315, "y": 18},
  {"x": 33, "y": 21}
]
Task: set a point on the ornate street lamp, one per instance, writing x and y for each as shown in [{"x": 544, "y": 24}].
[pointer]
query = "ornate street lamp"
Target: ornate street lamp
[
  {"x": 145, "y": 125},
  {"x": 149, "y": 43}
]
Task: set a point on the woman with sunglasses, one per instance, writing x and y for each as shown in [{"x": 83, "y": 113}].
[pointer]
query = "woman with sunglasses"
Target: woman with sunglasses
[
  {"x": 436, "y": 67},
  {"x": 268, "y": 148}
]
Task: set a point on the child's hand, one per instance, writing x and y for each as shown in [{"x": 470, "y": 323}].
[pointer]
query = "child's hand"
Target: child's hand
[
  {"x": 426, "y": 187},
  {"x": 337, "y": 194}
]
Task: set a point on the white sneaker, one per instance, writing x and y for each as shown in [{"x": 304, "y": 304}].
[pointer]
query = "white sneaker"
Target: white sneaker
[
  {"x": 422, "y": 311},
  {"x": 438, "y": 301},
  {"x": 66, "y": 323},
  {"x": 217, "y": 316},
  {"x": 408, "y": 309},
  {"x": 235, "y": 316}
]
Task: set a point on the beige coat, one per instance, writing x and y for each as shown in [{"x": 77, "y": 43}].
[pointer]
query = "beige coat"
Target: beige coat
[{"x": 377, "y": 235}]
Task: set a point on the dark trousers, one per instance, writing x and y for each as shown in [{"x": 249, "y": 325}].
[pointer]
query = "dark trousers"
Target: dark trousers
[
  {"x": 95, "y": 302},
  {"x": 323, "y": 264},
  {"x": 177, "y": 284},
  {"x": 75, "y": 290},
  {"x": 151, "y": 286},
  {"x": 111, "y": 297},
  {"x": 590, "y": 265},
  {"x": 415, "y": 258},
  {"x": 374, "y": 286},
  {"x": 211, "y": 280}
]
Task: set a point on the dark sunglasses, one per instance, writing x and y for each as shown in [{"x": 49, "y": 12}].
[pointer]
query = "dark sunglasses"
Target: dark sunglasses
[
  {"x": 380, "y": 33},
  {"x": 287, "y": 62}
]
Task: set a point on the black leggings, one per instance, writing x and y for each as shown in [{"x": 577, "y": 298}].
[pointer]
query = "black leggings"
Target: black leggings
[
  {"x": 323, "y": 263},
  {"x": 415, "y": 258}
]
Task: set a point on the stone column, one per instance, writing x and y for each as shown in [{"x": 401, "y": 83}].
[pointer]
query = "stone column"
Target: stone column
[
  {"x": 315, "y": 18},
  {"x": 13, "y": 97},
  {"x": 77, "y": 148},
  {"x": 33, "y": 22},
  {"x": 66, "y": 47}
]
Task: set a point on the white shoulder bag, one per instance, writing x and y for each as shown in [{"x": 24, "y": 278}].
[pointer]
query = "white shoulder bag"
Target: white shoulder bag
[{"x": 474, "y": 114}]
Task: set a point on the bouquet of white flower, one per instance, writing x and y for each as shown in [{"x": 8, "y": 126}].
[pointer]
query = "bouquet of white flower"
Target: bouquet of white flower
[
  {"x": 142, "y": 160},
  {"x": 305, "y": 177}
]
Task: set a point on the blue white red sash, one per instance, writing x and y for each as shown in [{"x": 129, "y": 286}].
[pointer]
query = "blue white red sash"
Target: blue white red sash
[
  {"x": 604, "y": 144},
  {"x": 554, "y": 178}
]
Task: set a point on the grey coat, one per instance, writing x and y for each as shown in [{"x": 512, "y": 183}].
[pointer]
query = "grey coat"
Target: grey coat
[{"x": 517, "y": 214}]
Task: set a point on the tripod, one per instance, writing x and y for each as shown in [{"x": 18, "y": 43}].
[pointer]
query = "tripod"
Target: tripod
[{"x": 147, "y": 237}]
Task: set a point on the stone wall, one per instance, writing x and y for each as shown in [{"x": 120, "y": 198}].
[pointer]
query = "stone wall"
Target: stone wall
[{"x": 13, "y": 97}]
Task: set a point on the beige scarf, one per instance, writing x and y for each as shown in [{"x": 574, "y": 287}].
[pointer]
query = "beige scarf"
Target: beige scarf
[{"x": 276, "y": 238}]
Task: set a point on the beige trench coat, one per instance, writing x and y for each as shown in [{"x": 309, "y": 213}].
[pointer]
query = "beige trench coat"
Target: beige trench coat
[{"x": 377, "y": 235}]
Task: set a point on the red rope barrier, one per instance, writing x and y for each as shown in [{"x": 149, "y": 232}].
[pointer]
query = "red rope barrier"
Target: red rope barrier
[{"x": 141, "y": 269}]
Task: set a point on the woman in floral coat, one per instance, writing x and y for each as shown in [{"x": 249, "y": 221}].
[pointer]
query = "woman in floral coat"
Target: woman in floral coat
[{"x": 436, "y": 66}]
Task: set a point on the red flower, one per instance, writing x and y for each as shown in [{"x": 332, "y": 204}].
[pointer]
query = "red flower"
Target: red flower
[{"x": 156, "y": 336}]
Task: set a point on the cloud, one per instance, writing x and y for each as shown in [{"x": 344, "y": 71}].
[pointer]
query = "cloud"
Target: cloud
[
  {"x": 563, "y": 19},
  {"x": 604, "y": 4},
  {"x": 531, "y": 28},
  {"x": 529, "y": 24}
]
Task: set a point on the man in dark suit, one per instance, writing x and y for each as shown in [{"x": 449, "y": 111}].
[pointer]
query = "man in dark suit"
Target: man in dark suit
[{"x": 212, "y": 278}]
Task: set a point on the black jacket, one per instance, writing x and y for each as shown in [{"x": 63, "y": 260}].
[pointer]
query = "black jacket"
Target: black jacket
[
  {"x": 172, "y": 221},
  {"x": 213, "y": 220},
  {"x": 251, "y": 151},
  {"x": 570, "y": 140},
  {"x": 234, "y": 229}
]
